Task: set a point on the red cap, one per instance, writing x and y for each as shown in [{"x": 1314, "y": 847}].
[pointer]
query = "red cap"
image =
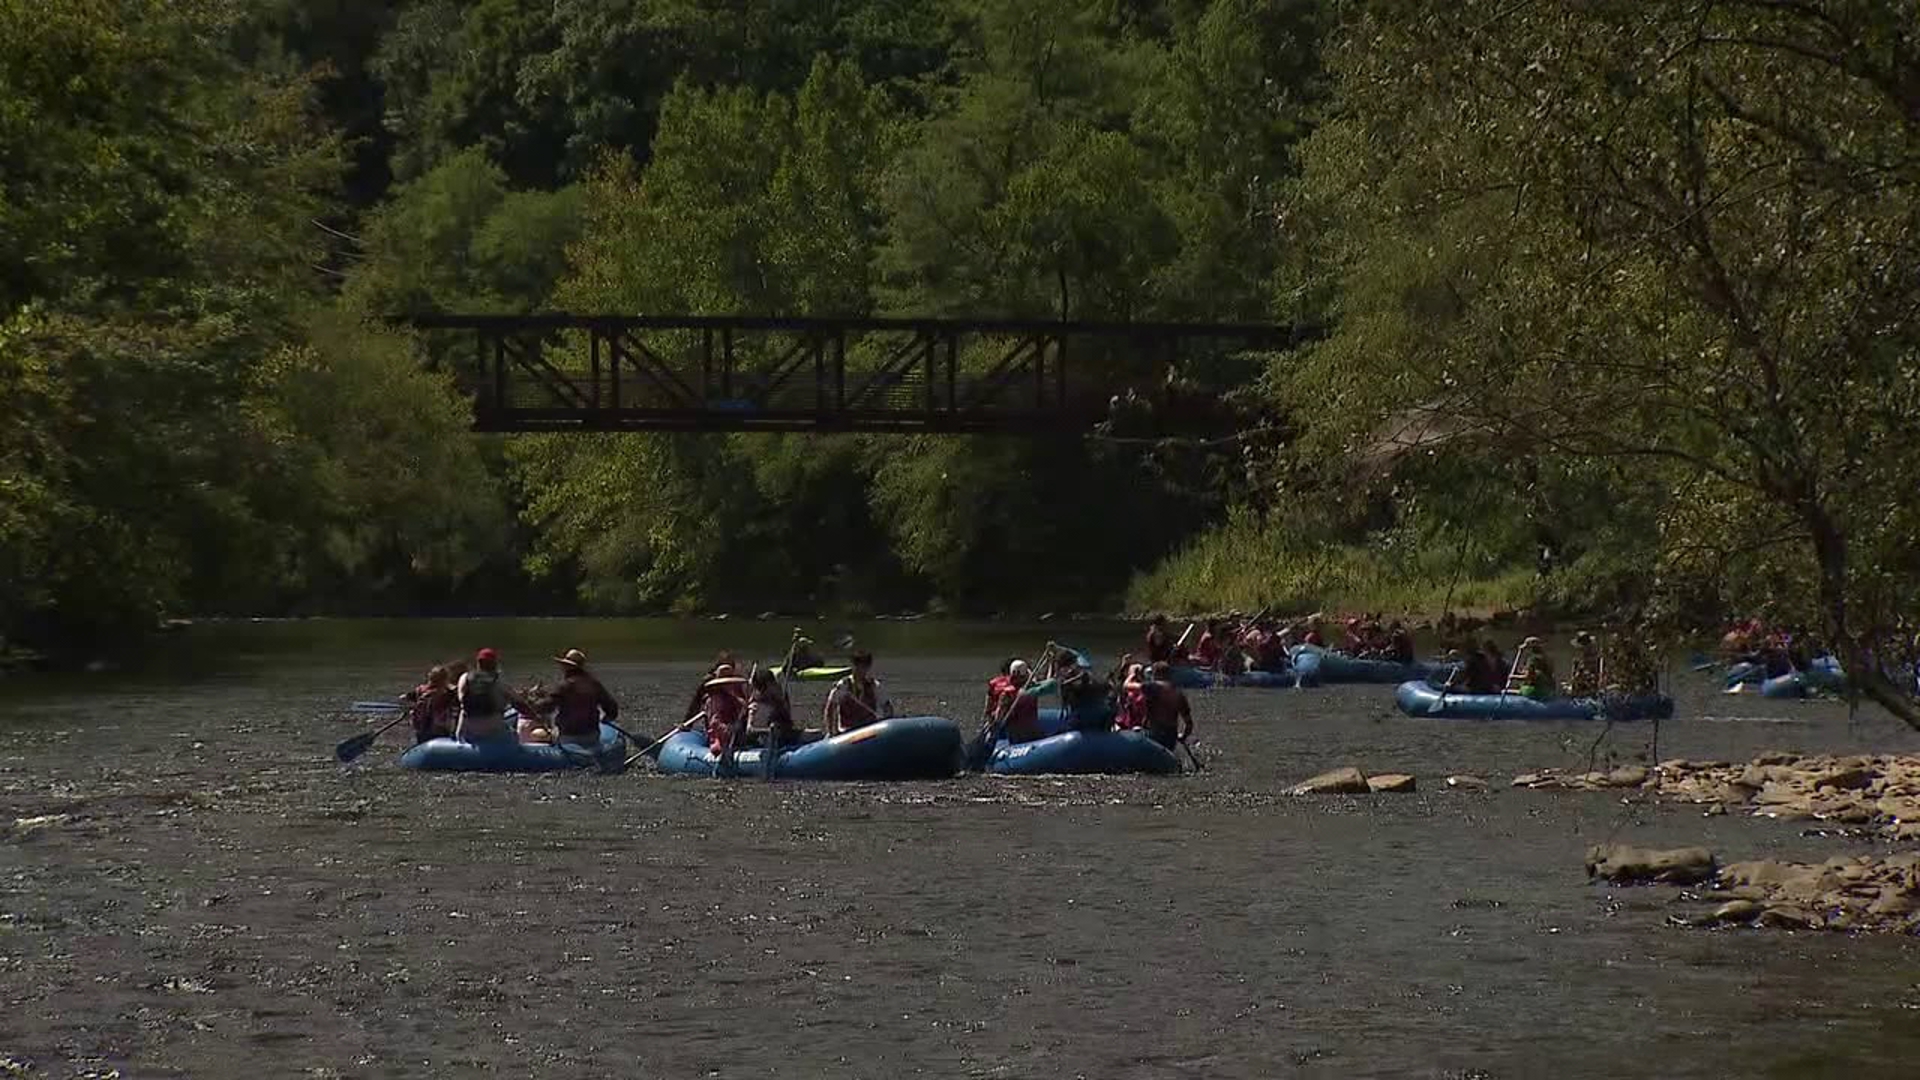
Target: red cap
[{"x": 487, "y": 656}]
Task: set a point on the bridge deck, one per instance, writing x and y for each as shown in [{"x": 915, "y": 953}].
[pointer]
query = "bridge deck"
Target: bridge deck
[{"x": 563, "y": 372}]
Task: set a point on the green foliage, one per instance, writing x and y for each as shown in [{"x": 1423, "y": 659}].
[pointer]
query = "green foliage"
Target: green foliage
[
  {"x": 1603, "y": 233},
  {"x": 457, "y": 239}
]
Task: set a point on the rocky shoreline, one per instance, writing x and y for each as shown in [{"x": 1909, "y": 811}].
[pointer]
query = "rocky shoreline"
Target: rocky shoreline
[{"x": 1877, "y": 794}]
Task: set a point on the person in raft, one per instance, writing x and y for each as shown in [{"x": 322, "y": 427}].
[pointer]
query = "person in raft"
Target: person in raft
[
  {"x": 483, "y": 701},
  {"x": 806, "y": 656},
  {"x": 770, "y": 711},
  {"x": 855, "y": 701},
  {"x": 1132, "y": 715},
  {"x": 1536, "y": 677},
  {"x": 1159, "y": 641},
  {"x": 1475, "y": 675},
  {"x": 1016, "y": 714},
  {"x": 580, "y": 702},
  {"x": 723, "y": 698},
  {"x": 1583, "y": 678},
  {"x": 1168, "y": 715},
  {"x": 433, "y": 706}
]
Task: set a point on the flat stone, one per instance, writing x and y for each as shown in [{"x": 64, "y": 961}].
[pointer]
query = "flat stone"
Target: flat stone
[
  {"x": 1627, "y": 776},
  {"x": 1785, "y": 917},
  {"x": 1466, "y": 783},
  {"x": 1735, "y": 911},
  {"x": 1390, "y": 782},
  {"x": 1624, "y": 864},
  {"x": 1347, "y": 781},
  {"x": 1849, "y": 779}
]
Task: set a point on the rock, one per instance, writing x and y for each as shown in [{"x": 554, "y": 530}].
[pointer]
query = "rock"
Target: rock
[
  {"x": 1790, "y": 918},
  {"x": 27, "y": 826},
  {"x": 1627, "y": 865},
  {"x": 1853, "y": 778},
  {"x": 1734, "y": 911},
  {"x": 1894, "y": 902},
  {"x": 1347, "y": 781},
  {"x": 1627, "y": 776},
  {"x": 1390, "y": 782},
  {"x": 1776, "y": 757},
  {"x": 1528, "y": 780},
  {"x": 1466, "y": 783}
]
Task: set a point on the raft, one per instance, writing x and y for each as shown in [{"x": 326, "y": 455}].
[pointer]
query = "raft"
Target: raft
[
  {"x": 1313, "y": 666},
  {"x": 1199, "y": 678},
  {"x": 1080, "y": 752},
  {"x": 903, "y": 748},
  {"x": 1824, "y": 673},
  {"x": 1422, "y": 700},
  {"x": 814, "y": 674},
  {"x": 509, "y": 755}
]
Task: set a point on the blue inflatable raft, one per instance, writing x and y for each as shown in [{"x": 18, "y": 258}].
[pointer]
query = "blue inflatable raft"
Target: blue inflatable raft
[
  {"x": 1314, "y": 666},
  {"x": 1422, "y": 700},
  {"x": 1199, "y": 678},
  {"x": 1824, "y": 673},
  {"x": 510, "y": 755},
  {"x": 903, "y": 748},
  {"x": 1080, "y": 752}
]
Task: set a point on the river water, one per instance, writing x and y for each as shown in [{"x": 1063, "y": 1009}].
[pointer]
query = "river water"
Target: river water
[{"x": 223, "y": 900}]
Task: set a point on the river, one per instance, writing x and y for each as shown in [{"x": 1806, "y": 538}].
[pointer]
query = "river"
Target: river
[{"x": 223, "y": 900}]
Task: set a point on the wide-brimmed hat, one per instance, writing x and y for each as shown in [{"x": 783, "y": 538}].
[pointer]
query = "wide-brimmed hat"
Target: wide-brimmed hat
[
  {"x": 725, "y": 680},
  {"x": 574, "y": 658},
  {"x": 1583, "y": 638},
  {"x": 1530, "y": 641}
]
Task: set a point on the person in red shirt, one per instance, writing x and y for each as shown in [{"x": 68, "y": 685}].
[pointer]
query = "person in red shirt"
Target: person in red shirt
[
  {"x": 724, "y": 699},
  {"x": 1207, "y": 653},
  {"x": 1133, "y": 699},
  {"x": 1016, "y": 714}
]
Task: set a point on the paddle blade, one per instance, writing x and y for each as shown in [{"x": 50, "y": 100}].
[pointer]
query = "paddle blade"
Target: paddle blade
[{"x": 355, "y": 746}]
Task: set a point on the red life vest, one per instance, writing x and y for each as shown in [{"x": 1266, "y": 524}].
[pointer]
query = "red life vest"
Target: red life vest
[
  {"x": 723, "y": 707},
  {"x": 1133, "y": 709}
]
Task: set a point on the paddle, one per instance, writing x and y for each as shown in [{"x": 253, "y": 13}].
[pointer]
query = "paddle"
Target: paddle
[
  {"x": 653, "y": 747},
  {"x": 361, "y": 743},
  {"x": 1191, "y": 756},
  {"x": 770, "y": 752},
  {"x": 375, "y": 706}
]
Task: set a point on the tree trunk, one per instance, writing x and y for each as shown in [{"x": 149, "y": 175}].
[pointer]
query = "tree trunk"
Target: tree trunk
[{"x": 1864, "y": 677}]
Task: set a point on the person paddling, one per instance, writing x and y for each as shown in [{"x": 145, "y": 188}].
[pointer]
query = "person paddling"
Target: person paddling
[
  {"x": 855, "y": 701},
  {"x": 1169, "y": 716},
  {"x": 483, "y": 701},
  {"x": 434, "y": 707},
  {"x": 723, "y": 698},
  {"x": 580, "y": 702},
  {"x": 1159, "y": 640},
  {"x": 770, "y": 711},
  {"x": 1017, "y": 714},
  {"x": 806, "y": 656}
]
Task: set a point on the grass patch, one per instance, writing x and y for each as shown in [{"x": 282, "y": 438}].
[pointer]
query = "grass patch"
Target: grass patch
[{"x": 1250, "y": 563}]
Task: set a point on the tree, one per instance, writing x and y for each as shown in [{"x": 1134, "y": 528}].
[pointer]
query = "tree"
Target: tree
[{"x": 1680, "y": 236}]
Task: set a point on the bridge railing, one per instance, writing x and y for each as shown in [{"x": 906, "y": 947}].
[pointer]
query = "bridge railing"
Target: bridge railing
[{"x": 744, "y": 373}]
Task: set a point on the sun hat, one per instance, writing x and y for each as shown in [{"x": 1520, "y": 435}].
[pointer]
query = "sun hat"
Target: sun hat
[{"x": 574, "y": 658}]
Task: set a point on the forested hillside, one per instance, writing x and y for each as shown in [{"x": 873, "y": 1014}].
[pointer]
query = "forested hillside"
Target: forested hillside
[{"x": 1621, "y": 299}]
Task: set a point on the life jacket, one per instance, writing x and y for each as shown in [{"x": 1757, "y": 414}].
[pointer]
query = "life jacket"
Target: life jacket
[
  {"x": 481, "y": 695},
  {"x": 578, "y": 707},
  {"x": 1207, "y": 653},
  {"x": 1133, "y": 708},
  {"x": 1019, "y": 713}
]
